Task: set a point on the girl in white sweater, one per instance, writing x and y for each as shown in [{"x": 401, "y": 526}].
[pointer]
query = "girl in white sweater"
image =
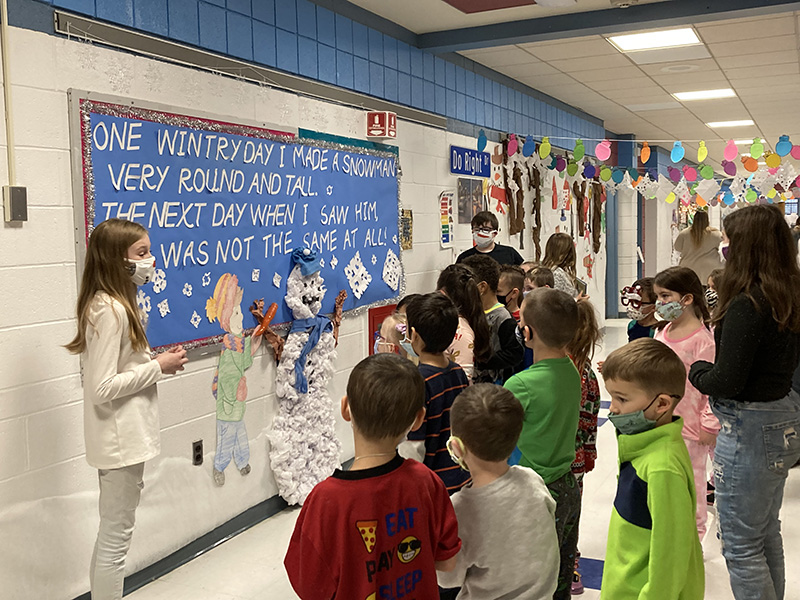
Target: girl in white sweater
[{"x": 120, "y": 413}]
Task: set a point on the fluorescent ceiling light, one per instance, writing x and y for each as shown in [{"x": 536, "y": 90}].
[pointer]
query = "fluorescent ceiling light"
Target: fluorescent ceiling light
[
  {"x": 705, "y": 95},
  {"x": 742, "y": 123},
  {"x": 742, "y": 142},
  {"x": 670, "y": 38}
]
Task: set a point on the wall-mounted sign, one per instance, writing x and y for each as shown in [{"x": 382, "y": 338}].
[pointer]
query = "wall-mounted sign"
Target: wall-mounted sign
[
  {"x": 464, "y": 161},
  {"x": 382, "y": 124}
]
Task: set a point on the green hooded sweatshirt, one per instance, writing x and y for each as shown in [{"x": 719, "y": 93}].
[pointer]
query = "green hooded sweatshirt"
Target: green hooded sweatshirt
[{"x": 653, "y": 551}]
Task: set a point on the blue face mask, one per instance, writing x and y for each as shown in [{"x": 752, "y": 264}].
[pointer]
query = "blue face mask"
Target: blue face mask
[
  {"x": 633, "y": 423},
  {"x": 405, "y": 344},
  {"x": 669, "y": 311}
]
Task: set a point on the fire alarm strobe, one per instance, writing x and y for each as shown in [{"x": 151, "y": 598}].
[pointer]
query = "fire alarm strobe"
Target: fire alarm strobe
[{"x": 381, "y": 124}]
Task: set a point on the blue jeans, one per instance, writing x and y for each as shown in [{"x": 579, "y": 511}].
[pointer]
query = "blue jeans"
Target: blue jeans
[
  {"x": 231, "y": 441},
  {"x": 756, "y": 446}
]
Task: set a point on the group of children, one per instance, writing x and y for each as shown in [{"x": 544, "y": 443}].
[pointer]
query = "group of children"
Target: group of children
[{"x": 509, "y": 444}]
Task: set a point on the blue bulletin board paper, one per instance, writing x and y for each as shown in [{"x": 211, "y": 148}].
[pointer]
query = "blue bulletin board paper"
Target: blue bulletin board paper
[
  {"x": 221, "y": 198},
  {"x": 464, "y": 161}
]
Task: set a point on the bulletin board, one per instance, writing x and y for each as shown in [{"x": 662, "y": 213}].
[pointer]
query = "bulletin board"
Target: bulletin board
[{"x": 222, "y": 197}]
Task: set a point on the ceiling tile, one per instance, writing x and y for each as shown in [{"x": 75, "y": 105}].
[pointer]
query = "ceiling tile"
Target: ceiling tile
[
  {"x": 548, "y": 80},
  {"x": 616, "y": 73},
  {"x": 500, "y": 57},
  {"x": 591, "y": 62},
  {"x": 664, "y": 55},
  {"x": 527, "y": 70},
  {"x": 718, "y": 110},
  {"x": 758, "y": 59},
  {"x": 643, "y": 85},
  {"x": 777, "y": 43},
  {"x": 777, "y": 71},
  {"x": 764, "y": 83},
  {"x": 782, "y": 24},
  {"x": 688, "y": 82},
  {"x": 597, "y": 47}
]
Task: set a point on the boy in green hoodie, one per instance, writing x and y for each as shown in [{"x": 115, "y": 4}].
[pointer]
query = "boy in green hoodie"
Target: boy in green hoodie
[{"x": 653, "y": 550}]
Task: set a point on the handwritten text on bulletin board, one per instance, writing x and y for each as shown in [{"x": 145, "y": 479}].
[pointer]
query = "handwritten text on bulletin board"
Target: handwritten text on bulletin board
[{"x": 222, "y": 198}]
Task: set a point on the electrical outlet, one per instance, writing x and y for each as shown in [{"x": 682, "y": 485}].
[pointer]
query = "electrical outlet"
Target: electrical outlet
[{"x": 197, "y": 452}]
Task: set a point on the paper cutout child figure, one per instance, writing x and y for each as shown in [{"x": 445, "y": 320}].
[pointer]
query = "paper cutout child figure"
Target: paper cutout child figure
[
  {"x": 304, "y": 447},
  {"x": 230, "y": 385}
]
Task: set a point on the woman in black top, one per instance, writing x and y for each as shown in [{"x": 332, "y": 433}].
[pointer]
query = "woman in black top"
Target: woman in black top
[{"x": 758, "y": 346}]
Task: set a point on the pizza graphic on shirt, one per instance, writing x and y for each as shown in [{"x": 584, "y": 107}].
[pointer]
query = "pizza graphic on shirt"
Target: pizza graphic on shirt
[{"x": 368, "y": 529}]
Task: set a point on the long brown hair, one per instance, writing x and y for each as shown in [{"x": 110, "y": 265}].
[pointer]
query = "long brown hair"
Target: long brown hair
[
  {"x": 699, "y": 227},
  {"x": 684, "y": 281},
  {"x": 105, "y": 270},
  {"x": 560, "y": 252},
  {"x": 761, "y": 254},
  {"x": 586, "y": 338},
  {"x": 458, "y": 282}
]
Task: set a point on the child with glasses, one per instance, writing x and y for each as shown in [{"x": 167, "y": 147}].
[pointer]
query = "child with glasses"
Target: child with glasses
[
  {"x": 506, "y": 516},
  {"x": 384, "y": 527},
  {"x": 639, "y": 301},
  {"x": 485, "y": 228}
]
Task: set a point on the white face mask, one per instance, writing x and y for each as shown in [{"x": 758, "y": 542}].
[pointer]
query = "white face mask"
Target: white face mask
[
  {"x": 142, "y": 271},
  {"x": 483, "y": 239}
]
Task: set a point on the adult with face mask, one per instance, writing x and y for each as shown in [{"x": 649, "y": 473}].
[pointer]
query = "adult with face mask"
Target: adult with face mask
[
  {"x": 750, "y": 388},
  {"x": 485, "y": 227},
  {"x": 699, "y": 246}
]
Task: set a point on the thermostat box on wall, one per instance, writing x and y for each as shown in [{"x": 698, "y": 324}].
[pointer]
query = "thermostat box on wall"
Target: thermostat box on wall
[{"x": 15, "y": 203}]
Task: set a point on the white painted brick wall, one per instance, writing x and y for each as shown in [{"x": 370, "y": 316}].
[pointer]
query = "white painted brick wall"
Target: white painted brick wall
[{"x": 48, "y": 493}]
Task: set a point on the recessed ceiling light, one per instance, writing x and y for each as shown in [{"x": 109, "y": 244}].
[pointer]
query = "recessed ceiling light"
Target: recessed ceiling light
[
  {"x": 705, "y": 94},
  {"x": 738, "y": 142},
  {"x": 742, "y": 123},
  {"x": 670, "y": 38}
]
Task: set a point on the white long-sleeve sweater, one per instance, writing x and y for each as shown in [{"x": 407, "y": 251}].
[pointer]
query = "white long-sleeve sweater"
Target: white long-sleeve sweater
[{"x": 121, "y": 424}]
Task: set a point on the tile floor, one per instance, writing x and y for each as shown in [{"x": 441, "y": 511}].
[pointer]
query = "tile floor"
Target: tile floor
[{"x": 251, "y": 564}]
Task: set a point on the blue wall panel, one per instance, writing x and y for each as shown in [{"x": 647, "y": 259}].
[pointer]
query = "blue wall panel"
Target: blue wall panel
[{"x": 300, "y": 37}]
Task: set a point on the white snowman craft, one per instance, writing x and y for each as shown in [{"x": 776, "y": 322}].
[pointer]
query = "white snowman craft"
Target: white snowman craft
[{"x": 304, "y": 447}]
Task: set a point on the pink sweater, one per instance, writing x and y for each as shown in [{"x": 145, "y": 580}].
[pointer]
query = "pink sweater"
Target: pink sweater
[{"x": 694, "y": 407}]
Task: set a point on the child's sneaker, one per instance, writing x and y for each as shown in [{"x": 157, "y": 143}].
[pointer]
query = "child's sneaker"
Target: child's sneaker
[
  {"x": 710, "y": 497},
  {"x": 577, "y": 584}
]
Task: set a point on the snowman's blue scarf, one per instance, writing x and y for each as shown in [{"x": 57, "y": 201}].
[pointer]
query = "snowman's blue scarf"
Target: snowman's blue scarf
[{"x": 317, "y": 326}]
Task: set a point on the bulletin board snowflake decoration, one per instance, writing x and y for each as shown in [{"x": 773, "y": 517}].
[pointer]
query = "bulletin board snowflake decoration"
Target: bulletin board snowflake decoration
[
  {"x": 357, "y": 276},
  {"x": 392, "y": 270}
]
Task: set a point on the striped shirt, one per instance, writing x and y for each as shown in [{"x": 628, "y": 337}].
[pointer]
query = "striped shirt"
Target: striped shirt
[{"x": 441, "y": 388}]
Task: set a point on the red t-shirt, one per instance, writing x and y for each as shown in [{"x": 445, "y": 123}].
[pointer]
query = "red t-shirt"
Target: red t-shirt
[{"x": 374, "y": 534}]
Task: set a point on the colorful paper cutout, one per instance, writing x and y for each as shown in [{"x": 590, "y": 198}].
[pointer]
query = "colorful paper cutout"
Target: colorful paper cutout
[
  {"x": 579, "y": 152},
  {"x": 677, "y": 153},
  {"x": 731, "y": 151},
  {"x": 603, "y": 150},
  {"x": 529, "y": 147},
  {"x": 784, "y": 146},
  {"x": 645, "y": 154},
  {"x": 481, "y": 140},
  {"x": 513, "y": 144},
  {"x": 702, "y": 152},
  {"x": 757, "y": 149},
  {"x": 544, "y": 148}
]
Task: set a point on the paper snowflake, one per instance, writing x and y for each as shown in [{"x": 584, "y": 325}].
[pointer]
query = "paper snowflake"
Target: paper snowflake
[
  {"x": 392, "y": 270},
  {"x": 374, "y": 260},
  {"x": 187, "y": 290},
  {"x": 329, "y": 190},
  {"x": 255, "y": 275},
  {"x": 195, "y": 320},
  {"x": 334, "y": 262},
  {"x": 357, "y": 275},
  {"x": 276, "y": 280},
  {"x": 206, "y": 279},
  {"x": 159, "y": 281},
  {"x": 163, "y": 307},
  {"x": 143, "y": 301},
  {"x": 394, "y": 239},
  {"x": 321, "y": 263}
]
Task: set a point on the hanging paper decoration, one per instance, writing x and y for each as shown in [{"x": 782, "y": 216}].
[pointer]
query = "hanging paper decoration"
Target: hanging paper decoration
[
  {"x": 795, "y": 152},
  {"x": 750, "y": 195},
  {"x": 707, "y": 188},
  {"x": 544, "y": 148},
  {"x": 645, "y": 154},
  {"x": 706, "y": 171},
  {"x": 579, "y": 152},
  {"x": 529, "y": 147},
  {"x": 603, "y": 150},
  {"x": 635, "y": 182},
  {"x": 702, "y": 152},
  {"x": 772, "y": 193},
  {"x": 728, "y": 198},
  {"x": 700, "y": 201},
  {"x": 690, "y": 173},
  {"x": 572, "y": 169},
  {"x": 605, "y": 173},
  {"x": 757, "y": 149},
  {"x": 784, "y": 146},
  {"x": 481, "y": 140},
  {"x": 729, "y": 167},
  {"x": 553, "y": 162},
  {"x": 674, "y": 174},
  {"x": 589, "y": 171},
  {"x": 555, "y": 195},
  {"x": 677, "y": 153},
  {"x": 561, "y": 164},
  {"x": 750, "y": 164},
  {"x": 714, "y": 201},
  {"x": 513, "y": 144},
  {"x": 633, "y": 172},
  {"x": 731, "y": 151},
  {"x": 671, "y": 197},
  {"x": 773, "y": 160},
  {"x": 618, "y": 175}
]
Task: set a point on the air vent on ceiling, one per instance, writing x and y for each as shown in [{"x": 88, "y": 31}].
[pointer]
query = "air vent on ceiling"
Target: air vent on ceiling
[
  {"x": 623, "y": 3},
  {"x": 475, "y": 6}
]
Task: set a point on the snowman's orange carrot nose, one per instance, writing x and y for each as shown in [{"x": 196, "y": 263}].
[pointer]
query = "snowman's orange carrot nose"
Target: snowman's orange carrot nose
[{"x": 262, "y": 327}]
